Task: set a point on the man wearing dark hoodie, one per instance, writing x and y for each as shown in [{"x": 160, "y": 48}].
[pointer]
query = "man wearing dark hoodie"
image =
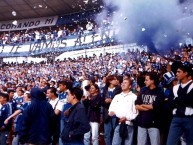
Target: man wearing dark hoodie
[{"x": 38, "y": 120}]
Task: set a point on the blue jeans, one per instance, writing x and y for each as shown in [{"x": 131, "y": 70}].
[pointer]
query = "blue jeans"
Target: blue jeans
[
  {"x": 180, "y": 125},
  {"x": 109, "y": 130},
  {"x": 15, "y": 140},
  {"x": 183, "y": 140},
  {"x": 117, "y": 139},
  {"x": 95, "y": 134},
  {"x": 154, "y": 135},
  {"x": 61, "y": 128}
]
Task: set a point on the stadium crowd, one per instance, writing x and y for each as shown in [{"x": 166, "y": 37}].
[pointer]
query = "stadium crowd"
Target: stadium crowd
[
  {"x": 54, "y": 33},
  {"x": 56, "y": 37},
  {"x": 34, "y": 34},
  {"x": 134, "y": 98}
]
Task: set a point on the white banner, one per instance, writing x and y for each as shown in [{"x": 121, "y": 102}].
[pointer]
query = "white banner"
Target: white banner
[{"x": 28, "y": 23}]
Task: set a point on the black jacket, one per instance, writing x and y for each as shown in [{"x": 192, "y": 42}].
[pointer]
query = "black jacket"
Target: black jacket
[
  {"x": 183, "y": 99},
  {"x": 76, "y": 125},
  {"x": 5, "y": 112},
  {"x": 105, "y": 105},
  {"x": 150, "y": 118},
  {"x": 38, "y": 118},
  {"x": 93, "y": 108}
]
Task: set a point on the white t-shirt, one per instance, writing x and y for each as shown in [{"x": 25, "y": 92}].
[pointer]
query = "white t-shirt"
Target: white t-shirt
[
  {"x": 37, "y": 35},
  {"x": 85, "y": 83},
  {"x": 59, "y": 33},
  {"x": 56, "y": 104},
  {"x": 89, "y": 26}
]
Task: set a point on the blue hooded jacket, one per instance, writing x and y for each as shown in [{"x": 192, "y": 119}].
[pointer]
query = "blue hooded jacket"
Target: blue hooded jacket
[{"x": 38, "y": 118}]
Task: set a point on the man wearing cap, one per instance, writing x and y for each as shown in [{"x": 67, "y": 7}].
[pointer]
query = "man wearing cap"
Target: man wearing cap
[{"x": 182, "y": 122}]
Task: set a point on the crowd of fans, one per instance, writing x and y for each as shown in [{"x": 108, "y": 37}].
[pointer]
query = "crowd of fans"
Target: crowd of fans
[
  {"x": 133, "y": 98},
  {"x": 45, "y": 36},
  {"x": 31, "y": 35},
  {"x": 119, "y": 93}
]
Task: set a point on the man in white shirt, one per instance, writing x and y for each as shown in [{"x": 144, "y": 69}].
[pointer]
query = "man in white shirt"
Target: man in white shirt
[
  {"x": 37, "y": 35},
  {"x": 60, "y": 31},
  {"x": 57, "y": 105},
  {"x": 89, "y": 26},
  {"x": 123, "y": 106}
]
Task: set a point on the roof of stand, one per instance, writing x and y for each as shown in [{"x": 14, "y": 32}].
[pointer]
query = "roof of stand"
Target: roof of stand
[{"x": 42, "y": 8}]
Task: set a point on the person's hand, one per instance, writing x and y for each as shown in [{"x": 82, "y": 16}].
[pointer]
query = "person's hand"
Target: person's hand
[
  {"x": 6, "y": 121},
  {"x": 66, "y": 113},
  {"x": 108, "y": 100},
  {"x": 137, "y": 88},
  {"x": 111, "y": 113},
  {"x": 2, "y": 128},
  {"x": 89, "y": 97},
  {"x": 83, "y": 98},
  {"x": 122, "y": 120}
]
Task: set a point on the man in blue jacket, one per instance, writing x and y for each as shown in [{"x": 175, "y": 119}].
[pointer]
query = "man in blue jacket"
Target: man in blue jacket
[
  {"x": 38, "y": 120},
  {"x": 77, "y": 123},
  {"x": 5, "y": 111}
]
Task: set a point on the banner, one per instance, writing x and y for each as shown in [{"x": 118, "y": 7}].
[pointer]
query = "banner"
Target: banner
[{"x": 28, "y": 23}]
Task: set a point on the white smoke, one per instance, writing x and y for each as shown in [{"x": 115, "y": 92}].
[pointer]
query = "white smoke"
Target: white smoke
[{"x": 154, "y": 23}]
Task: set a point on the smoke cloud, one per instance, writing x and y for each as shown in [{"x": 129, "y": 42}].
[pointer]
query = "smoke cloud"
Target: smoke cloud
[{"x": 156, "y": 24}]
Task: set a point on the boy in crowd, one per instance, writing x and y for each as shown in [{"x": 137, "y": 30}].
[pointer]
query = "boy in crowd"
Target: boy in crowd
[
  {"x": 149, "y": 103},
  {"x": 123, "y": 107},
  {"x": 182, "y": 122},
  {"x": 19, "y": 118},
  {"x": 5, "y": 112},
  {"x": 77, "y": 123},
  {"x": 57, "y": 105},
  {"x": 63, "y": 89}
]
